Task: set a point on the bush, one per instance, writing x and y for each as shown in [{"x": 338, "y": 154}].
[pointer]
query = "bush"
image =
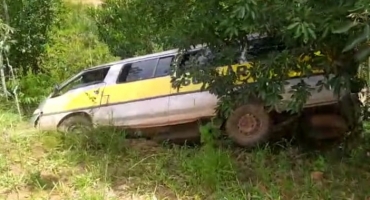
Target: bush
[
  {"x": 74, "y": 47},
  {"x": 32, "y": 21}
]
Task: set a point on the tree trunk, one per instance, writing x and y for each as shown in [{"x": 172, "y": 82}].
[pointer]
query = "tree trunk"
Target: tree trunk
[{"x": 2, "y": 75}]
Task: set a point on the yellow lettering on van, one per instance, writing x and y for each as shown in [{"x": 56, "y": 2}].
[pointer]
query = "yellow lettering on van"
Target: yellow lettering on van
[{"x": 242, "y": 73}]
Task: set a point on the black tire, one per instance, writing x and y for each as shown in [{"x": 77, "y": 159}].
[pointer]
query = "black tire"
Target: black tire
[
  {"x": 262, "y": 124},
  {"x": 75, "y": 123}
]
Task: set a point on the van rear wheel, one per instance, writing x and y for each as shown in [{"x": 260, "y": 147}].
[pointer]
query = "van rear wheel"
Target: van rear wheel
[
  {"x": 249, "y": 125},
  {"x": 77, "y": 123}
]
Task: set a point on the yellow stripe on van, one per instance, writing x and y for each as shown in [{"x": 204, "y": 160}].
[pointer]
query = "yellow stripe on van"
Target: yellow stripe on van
[
  {"x": 241, "y": 78},
  {"x": 137, "y": 90}
]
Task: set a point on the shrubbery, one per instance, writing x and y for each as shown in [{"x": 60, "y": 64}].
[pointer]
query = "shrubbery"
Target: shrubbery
[
  {"x": 71, "y": 45},
  {"x": 56, "y": 39}
]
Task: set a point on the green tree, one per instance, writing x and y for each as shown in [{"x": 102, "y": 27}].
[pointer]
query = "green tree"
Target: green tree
[
  {"x": 32, "y": 21},
  {"x": 338, "y": 29},
  {"x": 5, "y": 41},
  {"x": 73, "y": 46},
  {"x": 126, "y": 29}
]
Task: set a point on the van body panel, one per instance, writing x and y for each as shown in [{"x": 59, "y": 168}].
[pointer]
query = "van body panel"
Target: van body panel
[
  {"x": 143, "y": 113},
  {"x": 146, "y": 101},
  {"x": 191, "y": 103},
  {"x": 138, "y": 90},
  {"x": 191, "y": 106},
  {"x": 317, "y": 97},
  {"x": 158, "y": 107},
  {"x": 50, "y": 122},
  {"x": 76, "y": 99},
  {"x": 153, "y": 102}
]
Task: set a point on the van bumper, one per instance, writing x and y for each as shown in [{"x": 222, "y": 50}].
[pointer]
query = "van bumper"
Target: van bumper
[
  {"x": 34, "y": 120},
  {"x": 45, "y": 123}
]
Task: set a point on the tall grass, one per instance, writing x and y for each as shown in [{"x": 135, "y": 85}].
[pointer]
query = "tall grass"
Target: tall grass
[{"x": 104, "y": 164}]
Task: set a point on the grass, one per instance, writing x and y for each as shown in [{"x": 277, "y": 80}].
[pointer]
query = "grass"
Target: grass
[
  {"x": 90, "y": 2},
  {"x": 105, "y": 165}
]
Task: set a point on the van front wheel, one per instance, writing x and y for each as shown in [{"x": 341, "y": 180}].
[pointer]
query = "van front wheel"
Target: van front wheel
[
  {"x": 77, "y": 123},
  {"x": 249, "y": 125}
]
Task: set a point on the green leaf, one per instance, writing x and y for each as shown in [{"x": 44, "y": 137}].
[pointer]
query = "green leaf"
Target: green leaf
[
  {"x": 356, "y": 9},
  {"x": 363, "y": 54},
  {"x": 367, "y": 31},
  {"x": 224, "y": 22},
  {"x": 241, "y": 12},
  {"x": 291, "y": 26},
  {"x": 312, "y": 33},
  {"x": 325, "y": 33},
  {"x": 298, "y": 32},
  {"x": 253, "y": 14},
  {"x": 363, "y": 37},
  {"x": 305, "y": 33},
  {"x": 345, "y": 27}
]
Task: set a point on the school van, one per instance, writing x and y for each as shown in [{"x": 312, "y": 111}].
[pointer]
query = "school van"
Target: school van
[{"x": 137, "y": 93}]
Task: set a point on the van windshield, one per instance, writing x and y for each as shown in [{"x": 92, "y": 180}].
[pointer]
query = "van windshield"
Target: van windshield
[{"x": 83, "y": 79}]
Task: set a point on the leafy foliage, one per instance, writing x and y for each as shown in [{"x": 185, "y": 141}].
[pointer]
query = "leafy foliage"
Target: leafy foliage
[
  {"x": 337, "y": 31},
  {"x": 126, "y": 33},
  {"x": 5, "y": 34},
  {"x": 76, "y": 45},
  {"x": 32, "y": 21},
  {"x": 72, "y": 46},
  {"x": 297, "y": 36}
]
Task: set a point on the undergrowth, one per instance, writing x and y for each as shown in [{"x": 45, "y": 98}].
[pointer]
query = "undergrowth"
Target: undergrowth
[{"x": 103, "y": 164}]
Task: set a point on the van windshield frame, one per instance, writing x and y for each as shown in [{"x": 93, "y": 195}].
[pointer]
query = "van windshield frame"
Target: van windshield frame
[
  {"x": 70, "y": 80},
  {"x": 101, "y": 71}
]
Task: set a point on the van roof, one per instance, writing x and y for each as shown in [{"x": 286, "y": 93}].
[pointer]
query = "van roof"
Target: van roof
[
  {"x": 160, "y": 54},
  {"x": 143, "y": 57},
  {"x": 163, "y": 53}
]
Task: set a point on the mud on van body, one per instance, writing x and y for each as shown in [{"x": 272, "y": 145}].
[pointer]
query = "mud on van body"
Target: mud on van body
[{"x": 137, "y": 93}]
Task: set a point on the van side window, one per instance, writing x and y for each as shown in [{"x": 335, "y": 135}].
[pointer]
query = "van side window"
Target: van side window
[
  {"x": 163, "y": 67},
  {"x": 196, "y": 57},
  {"x": 188, "y": 58},
  {"x": 260, "y": 48},
  {"x": 137, "y": 71}
]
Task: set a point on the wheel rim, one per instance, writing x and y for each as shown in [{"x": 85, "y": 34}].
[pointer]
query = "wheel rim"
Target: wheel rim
[{"x": 248, "y": 124}]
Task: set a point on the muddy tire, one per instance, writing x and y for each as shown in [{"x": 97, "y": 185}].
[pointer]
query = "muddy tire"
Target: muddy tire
[
  {"x": 78, "y": 123},
  {"x": 249, "y": 125}
]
